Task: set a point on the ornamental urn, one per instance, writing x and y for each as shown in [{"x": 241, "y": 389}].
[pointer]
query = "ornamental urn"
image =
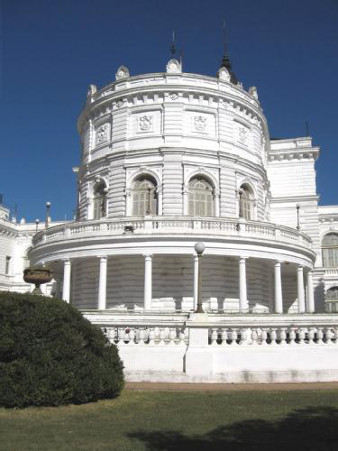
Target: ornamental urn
[{"x": 37, "y": 275}]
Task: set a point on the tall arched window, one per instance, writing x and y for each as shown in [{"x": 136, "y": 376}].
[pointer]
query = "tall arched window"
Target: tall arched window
[
  {"x": 100, "y": 200},
  {"x": 144, "y": 196},
  {"x": 330, "y": 250},
  {"x": 201, "y": 197},
  {"x": 245, "y": 202}
]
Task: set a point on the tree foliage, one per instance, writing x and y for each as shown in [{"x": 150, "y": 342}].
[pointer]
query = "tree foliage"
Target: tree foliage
[{"x": 51, "y": 355}]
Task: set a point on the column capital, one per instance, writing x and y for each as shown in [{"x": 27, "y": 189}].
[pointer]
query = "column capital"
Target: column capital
[
  {"x": 66, "y": 260},
  {"x": 102, "y": 257},
  {"x": 278, "y": 262},
  {"x": 147, "y": 256},
  {"x": 242, "y": 258}
]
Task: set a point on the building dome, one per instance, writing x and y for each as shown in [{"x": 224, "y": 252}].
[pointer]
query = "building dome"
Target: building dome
[{"x": 168, "y": 160}]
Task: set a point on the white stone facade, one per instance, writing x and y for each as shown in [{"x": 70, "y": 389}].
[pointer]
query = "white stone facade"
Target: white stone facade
[{"x": 171, "y": 159}]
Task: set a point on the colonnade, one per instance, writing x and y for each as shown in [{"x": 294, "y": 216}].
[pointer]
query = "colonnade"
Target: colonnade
[{"x": 308, "y": 306}]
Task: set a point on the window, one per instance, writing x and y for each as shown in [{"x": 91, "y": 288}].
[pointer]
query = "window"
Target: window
[
  {"x": 201, "y": 197},
  {"x": 332, "y": 294},
  {"x": 245, "y": 202},
  {"x": 100, "y": 200},
  {"x": 330, "y": 250},
  {"x": 8, "y": 265},
  {"x": 144, "y": 196}
]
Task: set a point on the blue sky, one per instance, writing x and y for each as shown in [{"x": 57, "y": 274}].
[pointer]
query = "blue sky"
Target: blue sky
[{"x": 51, "y": 50}]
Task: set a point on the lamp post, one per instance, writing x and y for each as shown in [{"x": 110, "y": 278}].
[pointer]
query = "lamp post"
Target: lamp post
[
  {"x": 37, "y": 221},
  {"x": 48, "y": 205},
  {"x": 199, "y": 248},
  {"x": 298, "y": 225}
]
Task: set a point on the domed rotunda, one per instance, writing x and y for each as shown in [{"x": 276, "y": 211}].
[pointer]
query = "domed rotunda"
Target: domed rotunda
[{"x": 177, "y": 163}]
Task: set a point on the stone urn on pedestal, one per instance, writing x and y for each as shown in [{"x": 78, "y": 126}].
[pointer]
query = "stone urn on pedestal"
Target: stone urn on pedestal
[{"x": 37, "y": 275}]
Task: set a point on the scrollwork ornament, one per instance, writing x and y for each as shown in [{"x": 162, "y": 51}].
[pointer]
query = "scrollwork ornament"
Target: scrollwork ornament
[
  {"x": 200, "y": 123},
  {"x": 145, "y": 123}
]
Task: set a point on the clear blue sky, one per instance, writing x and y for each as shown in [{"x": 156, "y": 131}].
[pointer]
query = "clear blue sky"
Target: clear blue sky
[{"x": 51, "y": 50}]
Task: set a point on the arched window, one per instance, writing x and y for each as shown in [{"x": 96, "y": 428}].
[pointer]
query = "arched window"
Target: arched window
[
  {"x": 201, "y": 197},
  {"x": 144, "y": 196},
  {"x": 245, "y": 202},
  {"x": 330, "y": 250},
  {"x": 332, "y": 294},
  {"x": 100, "y": 200}
]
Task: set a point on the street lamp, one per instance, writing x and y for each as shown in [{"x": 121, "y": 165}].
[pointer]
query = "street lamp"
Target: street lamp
[
  {"x": 48, "y": 204},
  {"x": 37, "y": 221},
  {"x": 199, "y": 248},
  {"x": 298, "y": 224}
]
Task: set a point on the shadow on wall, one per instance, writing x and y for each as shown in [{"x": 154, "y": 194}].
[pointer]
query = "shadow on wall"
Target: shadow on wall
[{"x": 311, "y": 429}]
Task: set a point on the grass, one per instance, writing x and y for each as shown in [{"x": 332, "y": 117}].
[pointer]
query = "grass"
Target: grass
[{"x": 148, "y": 420}]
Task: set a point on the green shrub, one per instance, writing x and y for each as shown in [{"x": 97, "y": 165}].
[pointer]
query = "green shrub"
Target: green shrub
[{"x": 50, "y": 355}]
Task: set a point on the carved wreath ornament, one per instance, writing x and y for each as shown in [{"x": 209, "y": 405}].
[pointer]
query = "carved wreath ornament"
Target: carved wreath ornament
[
  {"x": 145, "y": 123},
  {"x": 200, "y": 123}
]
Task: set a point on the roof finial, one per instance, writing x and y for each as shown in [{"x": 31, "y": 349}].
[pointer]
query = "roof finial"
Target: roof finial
[
  {"x": 173, "y": 46},
  {"x": 225, "y": 38}
]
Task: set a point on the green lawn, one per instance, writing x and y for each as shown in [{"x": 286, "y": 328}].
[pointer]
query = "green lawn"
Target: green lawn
[{"x": 148, "y": 420}]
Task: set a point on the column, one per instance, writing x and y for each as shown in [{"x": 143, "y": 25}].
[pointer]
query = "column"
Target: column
[
  {"x": 195, "y": 281},
  {"x": 102, "y": 297},
  {"x": 278, "y": 288},
  {"x": 159, "y": 202},
  {"x": 217, "y": 204},
  {"x": 66, "y": 280},
  {"x": 310, "y": 295},
  {"x": 243, "y": 302},
  {"x": 148, "y": 281},
  {"x": 300, "y": 289}
]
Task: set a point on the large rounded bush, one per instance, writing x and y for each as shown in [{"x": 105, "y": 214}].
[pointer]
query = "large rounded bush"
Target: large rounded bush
[{"x": 51, "y": 355}]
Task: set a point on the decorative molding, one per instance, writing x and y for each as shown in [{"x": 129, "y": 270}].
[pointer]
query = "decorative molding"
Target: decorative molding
[
  {"x": 122, "y": 73},
  {"x": 102, "y": 134}
]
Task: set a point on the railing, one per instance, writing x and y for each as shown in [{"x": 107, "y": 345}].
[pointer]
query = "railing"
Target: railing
[
  {"x": 146, "y": 335},
  {"x": 270, "y": 336},
  {"x": 222, "y": 227}
]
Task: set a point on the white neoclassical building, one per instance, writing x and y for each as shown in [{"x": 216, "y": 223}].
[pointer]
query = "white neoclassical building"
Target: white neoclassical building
[{"x": 171, "y": 159}]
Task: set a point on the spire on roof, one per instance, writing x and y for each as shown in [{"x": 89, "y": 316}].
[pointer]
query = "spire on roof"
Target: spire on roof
[{"x": 226, "y": 60}]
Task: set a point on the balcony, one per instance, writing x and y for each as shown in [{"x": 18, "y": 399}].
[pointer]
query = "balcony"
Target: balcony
[{"x": 158, "y": 226}]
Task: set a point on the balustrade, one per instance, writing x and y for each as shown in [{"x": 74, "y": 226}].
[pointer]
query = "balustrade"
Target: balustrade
[
  {"x": 146, "y": 335},
  {"x": 271, "y": 336}
]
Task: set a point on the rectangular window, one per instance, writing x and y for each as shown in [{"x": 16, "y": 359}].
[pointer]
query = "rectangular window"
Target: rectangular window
[{"x": 8, "y": 263}]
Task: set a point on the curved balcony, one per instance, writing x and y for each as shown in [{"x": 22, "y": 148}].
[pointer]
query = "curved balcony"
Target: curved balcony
[{"x": 128, "y": 227}]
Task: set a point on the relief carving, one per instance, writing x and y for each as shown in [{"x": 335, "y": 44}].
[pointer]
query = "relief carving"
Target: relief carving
[
  {"x": 102, "y": 134},
  {"x": 200, "y": 123},
  {"x": 145, "y": 123}
]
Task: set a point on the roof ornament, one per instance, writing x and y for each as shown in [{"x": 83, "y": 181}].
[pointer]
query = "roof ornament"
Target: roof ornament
[
  {"x": 226, "y": 64},
  {"x": 173, "y": 49},
  {"x": 253, "y": 92},
  {"x": 92, "y": 89},
  {"x": 174, "y": 66},
  {"x": 122, "y": 73}
]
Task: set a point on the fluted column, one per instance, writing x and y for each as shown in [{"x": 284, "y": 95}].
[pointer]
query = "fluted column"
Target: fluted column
[
  {"x": 243, "y": 302},
  {"x": 278, "y": 288},
  {"x": 196, "y": 261},
  {"x": 66, "y": 280},
  {"x": 310, "y": 295},
  {"x": 102, "y": 296},
  {"x": 300, "y": 289},
  {"x": 217, "y": 204},
  {"x": 148, "y": 274}
]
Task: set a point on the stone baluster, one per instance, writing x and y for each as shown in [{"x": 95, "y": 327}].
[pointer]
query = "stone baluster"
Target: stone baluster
[
  {"x": 302, "y": 336},
  {"x": 335, "y": 335},
  {"x": 320, "y": 335},
  {"x": 224, "y": 337},
  {"x": 234, "y": 337},
  {"x": 151, "y": 337},
  {"x": 329, "y": 336},
  {"x": 264, "y": 337},
  {"x": 282, "y": 336},
  {"x": 132, "y": 336},
  {"x": 254, "y": 337},
  {"x": 162, "y": 336},
  {"x": 292, "y": 336},
  {"x": 172, "y": 335},
  {"x": 311, "y": 335},
  {"x": 273, "y": 336},
  {"x": 141, "y": 336},
  {"x": 214, "y": 336}
]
